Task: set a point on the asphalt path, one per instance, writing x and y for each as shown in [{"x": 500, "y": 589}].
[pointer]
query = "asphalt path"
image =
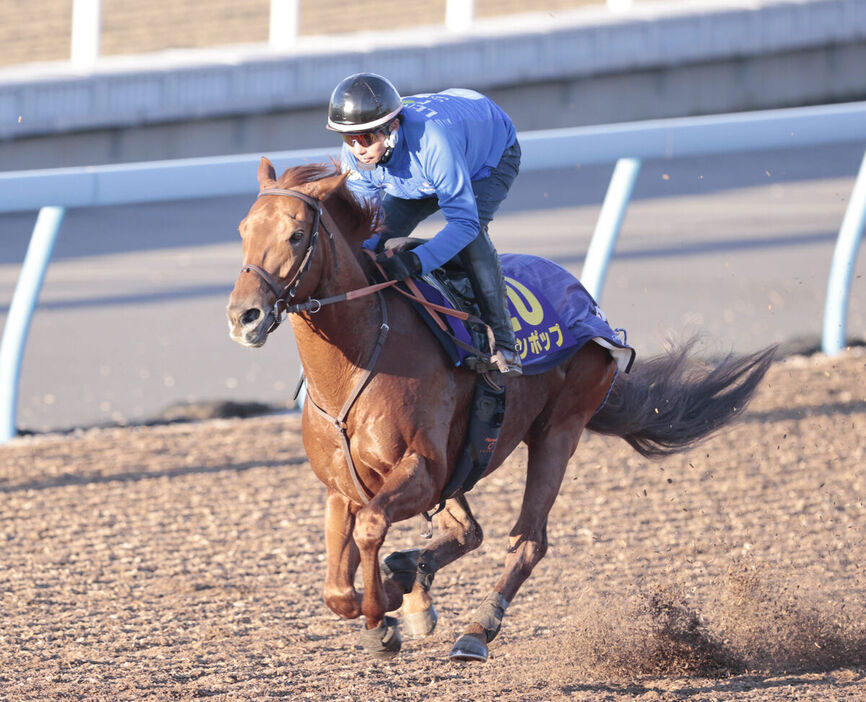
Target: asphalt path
[{"x": 131, "y": 317}]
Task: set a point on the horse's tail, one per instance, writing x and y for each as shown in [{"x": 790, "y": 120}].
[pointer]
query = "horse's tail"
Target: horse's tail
[{"x": 670, "y": 402}]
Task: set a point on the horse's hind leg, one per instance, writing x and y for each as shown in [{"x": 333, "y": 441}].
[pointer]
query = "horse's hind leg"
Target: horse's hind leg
[
  {"x": 552, "y": 440},
  {"x": 527, "y": 546},
  {"x": 459, "y": 534}
]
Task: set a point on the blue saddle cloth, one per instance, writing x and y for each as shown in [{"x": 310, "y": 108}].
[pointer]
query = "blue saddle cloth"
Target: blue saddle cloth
[{"x": 552, "y": 313}]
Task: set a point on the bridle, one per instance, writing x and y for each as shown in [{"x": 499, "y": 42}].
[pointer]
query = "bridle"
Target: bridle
[{"x": 284, "y": 295}]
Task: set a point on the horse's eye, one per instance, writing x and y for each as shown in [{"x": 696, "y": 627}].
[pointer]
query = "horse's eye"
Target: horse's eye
[{"x": 296, "y": 236}]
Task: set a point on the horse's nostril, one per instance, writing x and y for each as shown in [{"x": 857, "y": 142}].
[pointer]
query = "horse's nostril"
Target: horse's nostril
[{"x": 250, "y": 316}]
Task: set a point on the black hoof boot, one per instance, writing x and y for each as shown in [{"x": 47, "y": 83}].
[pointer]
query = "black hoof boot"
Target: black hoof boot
[
  {"x": 469, "y": 648},
  {"x": 384, "y": 641},
  {"x": 488, "y": 616},
  {"x": 401, "y": 566}
]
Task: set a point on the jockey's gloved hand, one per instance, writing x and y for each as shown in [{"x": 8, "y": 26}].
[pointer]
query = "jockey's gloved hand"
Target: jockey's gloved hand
[{"x": 402, "y": 265}]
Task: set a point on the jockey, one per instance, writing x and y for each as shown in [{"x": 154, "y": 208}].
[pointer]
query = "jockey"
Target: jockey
[{"x": 456, "y": 150}]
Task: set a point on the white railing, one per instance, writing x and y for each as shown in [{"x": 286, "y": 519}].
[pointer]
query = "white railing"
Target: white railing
[
  {"x": 52, "y": 191},
  {"x": 283, "y": 28}
]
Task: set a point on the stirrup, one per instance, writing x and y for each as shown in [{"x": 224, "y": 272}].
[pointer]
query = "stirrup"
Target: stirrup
[{"x": 507, "y": 362}]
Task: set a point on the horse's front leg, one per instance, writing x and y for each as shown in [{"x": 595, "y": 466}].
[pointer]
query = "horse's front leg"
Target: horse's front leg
[
  {"x": 405, "y": 491},
  {"x": 551, "y": 443},
  {"x": 343, "y": 558}
]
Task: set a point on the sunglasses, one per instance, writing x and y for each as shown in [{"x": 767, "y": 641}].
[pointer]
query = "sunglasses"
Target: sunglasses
[{"x": 365, "y": 140}]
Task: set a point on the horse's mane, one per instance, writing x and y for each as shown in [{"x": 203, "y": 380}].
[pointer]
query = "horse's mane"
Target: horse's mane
[{"x": 363, "y": 216}]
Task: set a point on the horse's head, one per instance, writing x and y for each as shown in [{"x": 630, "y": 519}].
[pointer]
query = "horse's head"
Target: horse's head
[{"x": 282, "y": 247}]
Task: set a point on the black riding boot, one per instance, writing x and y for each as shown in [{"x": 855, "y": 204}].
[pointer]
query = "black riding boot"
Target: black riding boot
[{"x": 485, "y": 272}]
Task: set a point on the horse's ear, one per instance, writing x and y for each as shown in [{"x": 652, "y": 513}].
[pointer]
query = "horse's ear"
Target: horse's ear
[
  {"x": 323, "y": 188},
  {"x": 267, "y": 175}
]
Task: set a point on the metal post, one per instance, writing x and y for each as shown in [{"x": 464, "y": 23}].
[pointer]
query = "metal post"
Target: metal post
[
  {"x": 609, "y": 222},
  {"x": 86, "y": 21},
  {"x": 459, "y": 14},
  {"x": 284, "y": 24},
  {"x": 842, "y": 268},
  {"x": 21, "y": 312}
]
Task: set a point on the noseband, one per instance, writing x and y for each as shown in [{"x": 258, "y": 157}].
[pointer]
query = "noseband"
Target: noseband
[{"x": 283, "y": 295}]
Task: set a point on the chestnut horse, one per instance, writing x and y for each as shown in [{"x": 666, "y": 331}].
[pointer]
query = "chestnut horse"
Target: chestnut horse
[{"x": 386, "y": 412}]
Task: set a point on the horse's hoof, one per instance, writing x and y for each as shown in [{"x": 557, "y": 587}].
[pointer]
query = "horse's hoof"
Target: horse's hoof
[
  {"x": 384, "y": 641},
  {"x": 420, "y": 624},
  {"x": 469, "y": 648}
]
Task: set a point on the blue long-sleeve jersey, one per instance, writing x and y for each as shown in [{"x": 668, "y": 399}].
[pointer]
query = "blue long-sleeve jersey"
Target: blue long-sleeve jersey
[{"x": 446, "y": 141}]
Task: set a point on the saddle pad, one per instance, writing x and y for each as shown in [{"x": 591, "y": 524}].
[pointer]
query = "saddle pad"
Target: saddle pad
[{"x": 552, "y": 313}]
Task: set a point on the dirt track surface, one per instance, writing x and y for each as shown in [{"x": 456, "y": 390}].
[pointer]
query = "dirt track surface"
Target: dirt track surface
[{"x": 186, "y": 561}]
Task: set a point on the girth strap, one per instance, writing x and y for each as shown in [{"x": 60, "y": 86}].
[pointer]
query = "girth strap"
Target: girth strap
[{"x": 339, "y": 422}]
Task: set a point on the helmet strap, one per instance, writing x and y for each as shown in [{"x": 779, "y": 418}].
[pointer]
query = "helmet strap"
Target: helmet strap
[{"x": 390, "y": 143}]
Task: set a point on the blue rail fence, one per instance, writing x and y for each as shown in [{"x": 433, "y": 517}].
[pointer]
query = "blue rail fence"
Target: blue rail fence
[{"x": 52, "y": 191}]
